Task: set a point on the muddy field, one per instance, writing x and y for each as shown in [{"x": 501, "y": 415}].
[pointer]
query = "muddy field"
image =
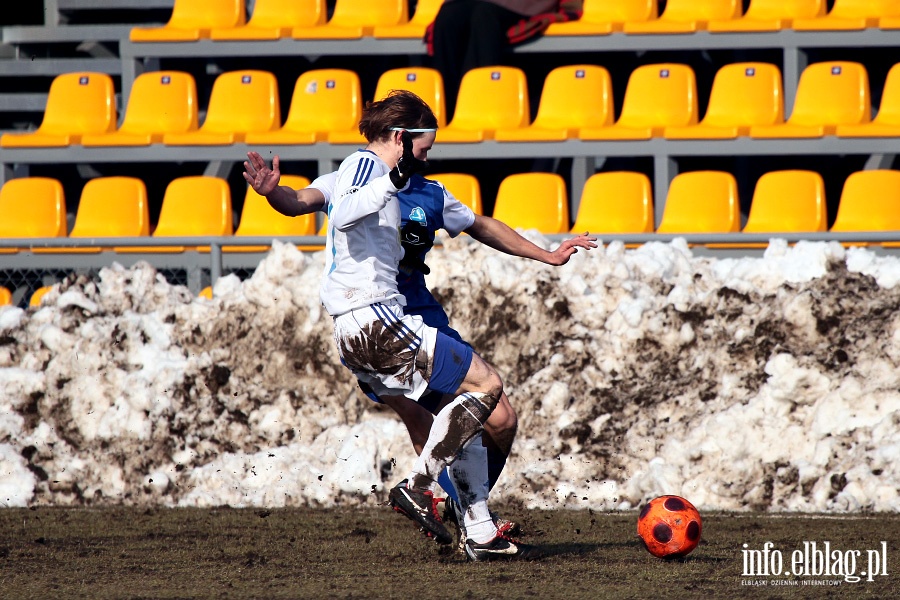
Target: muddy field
[{"x": 374, "y": 553}]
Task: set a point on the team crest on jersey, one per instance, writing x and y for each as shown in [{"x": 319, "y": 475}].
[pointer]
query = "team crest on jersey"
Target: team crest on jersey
[{"x": 417, "y": 214}]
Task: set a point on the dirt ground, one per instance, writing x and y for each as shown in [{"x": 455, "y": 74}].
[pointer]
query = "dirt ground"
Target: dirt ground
[{"x": 374, "y": 553}]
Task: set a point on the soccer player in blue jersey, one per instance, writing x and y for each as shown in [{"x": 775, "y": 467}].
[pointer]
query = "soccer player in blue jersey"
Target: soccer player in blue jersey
[{"x": 425, "y": 207}]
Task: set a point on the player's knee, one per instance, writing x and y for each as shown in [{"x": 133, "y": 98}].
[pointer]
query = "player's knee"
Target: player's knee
[{"x": 503, "y": 419}]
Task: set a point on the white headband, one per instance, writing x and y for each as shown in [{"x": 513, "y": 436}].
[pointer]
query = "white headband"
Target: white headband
[{"x": 422, "y": 130}]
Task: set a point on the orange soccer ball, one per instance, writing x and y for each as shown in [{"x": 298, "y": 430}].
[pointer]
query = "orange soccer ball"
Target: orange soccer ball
[{"x": 670, "y": 527}]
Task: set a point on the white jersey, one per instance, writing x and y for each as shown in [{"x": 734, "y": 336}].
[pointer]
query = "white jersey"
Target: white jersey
[
  {"x": 362, "y": 245},
  {"x": 457, "y": 217}
]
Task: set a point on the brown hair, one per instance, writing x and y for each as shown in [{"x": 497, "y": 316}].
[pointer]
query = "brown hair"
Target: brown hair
[{"x": 400, "y": 108}]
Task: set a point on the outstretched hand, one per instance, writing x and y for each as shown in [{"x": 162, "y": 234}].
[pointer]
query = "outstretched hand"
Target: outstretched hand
[
  {"x": 408, "y": 165},
  {"x": 568, "y": 247},
  {"x": 257, "y": 173}
]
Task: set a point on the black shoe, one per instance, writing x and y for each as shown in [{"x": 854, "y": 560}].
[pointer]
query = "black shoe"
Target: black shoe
[
  {"x": 501, "y": 548},
  {"x": 419, "y": 506},
  {"x": 453, "y": 514}
]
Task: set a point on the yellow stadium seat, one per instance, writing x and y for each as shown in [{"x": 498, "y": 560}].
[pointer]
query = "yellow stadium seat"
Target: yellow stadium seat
[
  {"x": 160, "y": 102},
  {"x": 240, "y": 102},
  {"x": 38, "y": 296},
  {"x": 5, "y": 296},
  {"x": 686, "y": 16},
  {"x": 889, "y": 22},
  {"x": 743, "y": 94},
  {"x": 424, "y": 82},
  {"x": 258, "y": 218},
  {"x": 701, "y": 202},
  {"x": 464, "y": 187},
  {"x": 657, "y": 96},
  {"x": 490, "y": 98},
  {"x": 533, "y": 201},
  {"x": 828, "y": 94},
  {"x": 194, "y": 205},
  {"x": 426, "y": 11},
  {"x": 770, "y": 15},
  {"x": 192, "y": 20},
  {"x": 573, "y": 97},
  {"x": 850, "y": 15},
  {"x": 785, "y": 201},
  {"x": 206, "y": 293},
  {"x": 886, "y": 122},
  {"x": 600, "y": 17},
  {"x": 353, "y": 19},
  {"x": 615, "y": 202},
  {"x": 32, "y": 207},
  {"x": 870, "y": 201},
  {"x": 324, "y": 101},
  {"x": 274, "y": 19},
  {"x": 77, "y": 104},
  {"x": 109, "y": 207}
]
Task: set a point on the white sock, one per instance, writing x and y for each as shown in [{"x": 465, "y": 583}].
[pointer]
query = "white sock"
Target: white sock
[
  {"x": 453, "y": 427},
  {"x": 469, "y": 474}
]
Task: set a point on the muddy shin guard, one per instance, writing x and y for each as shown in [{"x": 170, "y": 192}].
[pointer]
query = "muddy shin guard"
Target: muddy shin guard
[{"x": 456, "y": 424}]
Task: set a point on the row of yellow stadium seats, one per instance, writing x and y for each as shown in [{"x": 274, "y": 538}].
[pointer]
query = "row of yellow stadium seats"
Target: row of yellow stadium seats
[
  {"x": 6, "y": 296},
  {"x": 117, "y": 206},
  {"x": 225, "y": 20},
  {"x": 613, "y": 202},
  {"x": 660, "y": 100},
  {"x": 621, "y": 202}
]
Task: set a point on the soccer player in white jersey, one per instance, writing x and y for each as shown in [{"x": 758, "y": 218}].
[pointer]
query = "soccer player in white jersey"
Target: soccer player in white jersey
[
  {"x": 427, "y": 206},
  {"x": 395, "y": 354}
]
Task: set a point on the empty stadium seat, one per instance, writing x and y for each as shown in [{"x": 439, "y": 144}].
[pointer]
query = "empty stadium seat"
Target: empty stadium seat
[
  {"x": 657, "y": 96},
  {"x": 109, "y": 207},
  {"x": 353, "y": 19},
  {"x": 743, "y": 94},
  {"x": 886, "y": 122},
  {"x": 849, "y": 15},
  {"x": 615, "y": 202},
  {"x": 601, "y": 17},
  {"x": 573, "y": 97},
  {"x": 192, "y": 206},
  {"x": 426, "y": 11},
  {"x": 424, "y": 82},
  {"x": 770, "y": 15},
  {"x": 324, "y": 101},
  {"x": 274, "y": 19},
  {"x": 686, "y": 16},
  {"x": 828, "y": 94},
  {"x": 464, "y": 187},
  {"x": 533, "y": 201},
  {"x": 490, "y": 98},
  {"x": 77, "y": 104},
  {"x": 206, "y": 293},
  {"x": 870, "y": 201},
  {"x": 161, "y": 102},
  {"x": 787, "y": 201},
  {"x": 258, "y": 218},
  {"x": 5, "y": 296},
  {"x": 701, "y": 202},
  {"x": 192, "y": 20},
  {"x": 240, "y": 102},
  {"x": 38, "y": 296},
  {"x": 32, "y": 207}
]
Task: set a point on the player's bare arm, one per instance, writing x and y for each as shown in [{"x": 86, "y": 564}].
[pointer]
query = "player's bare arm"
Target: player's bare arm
[
  {"x": 286, "y": 200},
  {"x": 500, "y": 236}
]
